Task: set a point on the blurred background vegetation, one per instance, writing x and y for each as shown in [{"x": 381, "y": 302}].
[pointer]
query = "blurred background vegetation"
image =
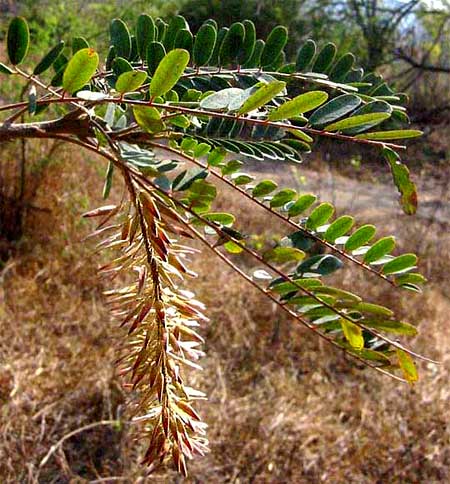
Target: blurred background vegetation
[{"x": 282, "y": 408}]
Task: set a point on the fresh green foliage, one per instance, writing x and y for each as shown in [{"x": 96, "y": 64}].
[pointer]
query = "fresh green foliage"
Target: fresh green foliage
[
  {"x": 49, "y": 59},
  {"x": 299, "y": 105},
  {"x": 80, "y": 70},
  {"x": 130, "y": 81},
  {"x": 177, "y": 114},
  {"x": 120, "y": 38},
  {"x": 169, "y": 72},
  {"x": 18, "y": 40},
  {"x": 145, "y": 34},
  {"x": 204, "y": 44}
]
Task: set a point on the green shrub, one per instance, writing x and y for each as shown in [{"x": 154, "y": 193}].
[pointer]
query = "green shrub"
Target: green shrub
[{"x": 178, "y": 116}]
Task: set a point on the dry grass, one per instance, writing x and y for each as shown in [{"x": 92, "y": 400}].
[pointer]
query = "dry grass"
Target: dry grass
[{"x": 283, "y": 408}]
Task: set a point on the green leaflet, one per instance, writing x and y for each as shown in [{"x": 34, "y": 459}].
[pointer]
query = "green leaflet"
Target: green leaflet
[
  {"x": 60, "y": 62},
  {"x": 285, "y": 287},
  {"x": 155, "y": 54},
  {"x": 79, "y": 43},
  {"x": 299, "y": 105},
  {"x": 367, "y": 354},
  {"x": 305, "y": 55},
  {"x": 324, "y": 58},
  {"x": 184, "y": 40},
  {"x": 134, "y": 54},
  {"x": 169, "y": 71},
  {"x": 211, "y": 22},
  {"x": 411, "y": 287},
  {"x": 339, "y": 228},
  {"x": 319, "y": 216},
  {"x": 121, "y": 65},
  {"x": 378, "y": 250},
  {"x": 226, "y": 219},
  {"x": 231, "y": 167},
  {"x": 275, "y": 43},
  {"x": 216, "y": 157},
  {"x": 130, "y": 81},
  {"x": 120, "y": 38},
  {"x": 302, "y": 204},
  {"x": 282, "y": 197},
  {"x": 282, "y": 255},
  {"x": 248, "y": 45},
  {"x": 410, "y": 278},
  {"x": 188, "y": 144},
  {"x": 370, "y": 308},
  {"x": 201, "y": 195},
  {"x": 18, "y": 40},
  {"x": 58, "y": 77},
  {"x": 145, "y": 33},
  {"x": 109, "y": 57},
  {"x": 334, "y": 109},
  {"x": 148, "y": 118},
  {"x": 176, "y": 24},
  {"x": 255, "y": 58},
  {"x": 390, "y": 135},
  {"x": 338, "y": 294},
  {"x": 80, "y": 70},
  {"x": 214, "y": 60},
  {"x": 301, "y": 135},
  {"x": 390, "y": 326},
  {"x": 287, "y": 68},
  {"x": 49, "y": 59},
  {"x": 161, "y": 28},
  {"x": 201, "y": 149},
  {"x": 400, "y": 264},
  {"x": 232, "y": 44},
  {"x": 360, "y": 237},
  {"x": 264, "y": 188},
  {"x": 262, "y": 96},
  {"x": 278, "y": 63},
  {"x": 241, "y": 178},
  {"x": 353, "y": 334},
  {"x": 342, "y": 67},
  {"x": 407, "y": 365},
  {"x": 364, "y": 121},
  {"x": 297, "y": 145},
  {"x": 320, "y": 264},
  {"x": 232, "y": 247},
  {"x": 370, "y": 107},
  {"x": 180, "y": 120},
  {"x": 405, "y": 186},
  {"x": 204, "y": 44}
]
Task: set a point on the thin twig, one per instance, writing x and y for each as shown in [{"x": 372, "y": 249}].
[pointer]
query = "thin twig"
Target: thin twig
[
  {"x": 214, "y": 114},
  {"x": 61, "y": 441}
]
